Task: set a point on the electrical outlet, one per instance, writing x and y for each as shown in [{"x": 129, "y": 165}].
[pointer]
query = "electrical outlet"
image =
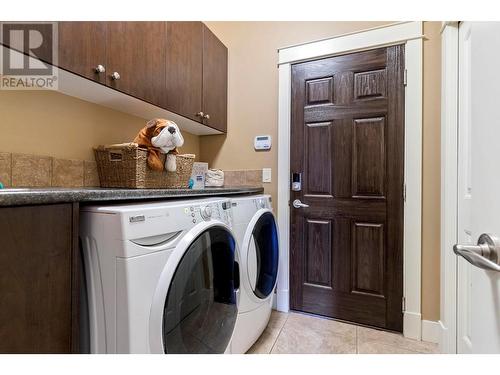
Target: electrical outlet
[{"x": 266, "y": 174}]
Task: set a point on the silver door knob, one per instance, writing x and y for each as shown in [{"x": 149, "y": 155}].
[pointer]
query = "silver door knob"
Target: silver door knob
[
  {"x": 115, "y": 76},
  {"x": 100, "y": 69},
  {"x": 200, "y": 114},
  {"x": 298, "y": 204},
  {"x": 207, "y": 116},
  {"x": 486, "y": 254}
]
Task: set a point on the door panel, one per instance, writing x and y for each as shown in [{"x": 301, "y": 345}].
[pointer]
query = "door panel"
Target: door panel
[
  {"x": 347, "y": 141},
  {"x": 368, "y": 159},
  {"x": 214, "y": 81},
  {"x": 370, "y": 84},
  {"x": 318, "y": 171},
  {"x": 368, "y": 258},
  {"x": 136, "y": 50},
  {"x": 319, "y": 91},
  {"x": 478, "y": 290},
  {"x": 82, "y": 47},
  {"x": 184, "y": 68},
  {"x": 318, "y": 258}
]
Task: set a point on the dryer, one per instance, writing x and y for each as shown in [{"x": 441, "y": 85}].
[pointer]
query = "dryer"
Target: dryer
[
  {"x": 257, "y": 235},
  {"x": 161, "y": 277}
]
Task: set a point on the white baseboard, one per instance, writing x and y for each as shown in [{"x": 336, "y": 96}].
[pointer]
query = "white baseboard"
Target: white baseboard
[
  {"x": 282, "y": 300},
  {"x": 430, "y": 331},
  {"x": 412, "y": 325}
]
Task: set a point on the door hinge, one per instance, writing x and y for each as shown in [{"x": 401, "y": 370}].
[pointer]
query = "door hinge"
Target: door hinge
[
  {"x": 403, "y": 304},
  {"x": 405, "y": 77},
  {"x": 404, "y": 192}
]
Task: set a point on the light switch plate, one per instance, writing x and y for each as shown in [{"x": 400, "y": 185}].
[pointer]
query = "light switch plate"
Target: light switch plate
[{"x": 266, "y": 174}]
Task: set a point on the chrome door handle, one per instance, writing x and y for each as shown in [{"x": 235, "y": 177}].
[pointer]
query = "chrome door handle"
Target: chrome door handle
[
  {"x": 298, "y": 204},
  {"x": 486, "y": 254}
]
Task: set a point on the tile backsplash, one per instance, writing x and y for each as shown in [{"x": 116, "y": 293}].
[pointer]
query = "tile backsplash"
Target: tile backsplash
[
  {"x": 249, "y": 177},
  {"x": 6, "y": 169},
  {"x": 25, "y": 170}
]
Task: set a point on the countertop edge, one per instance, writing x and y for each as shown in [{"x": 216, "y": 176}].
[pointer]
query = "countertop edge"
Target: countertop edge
[{"x": 10, "y": 198}]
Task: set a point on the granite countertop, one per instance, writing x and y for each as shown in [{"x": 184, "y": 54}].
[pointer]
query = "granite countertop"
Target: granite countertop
[{"x": 30, "y": 196}]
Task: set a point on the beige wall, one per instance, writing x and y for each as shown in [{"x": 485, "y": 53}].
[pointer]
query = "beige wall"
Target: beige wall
[
  {"x": 431, "y": 184},
  {"x": 253, "y": 110},
  {"x": 53, "y": 124}
]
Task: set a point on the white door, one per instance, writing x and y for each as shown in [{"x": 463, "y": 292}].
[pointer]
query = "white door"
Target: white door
[{"x": 478, "y": 282}]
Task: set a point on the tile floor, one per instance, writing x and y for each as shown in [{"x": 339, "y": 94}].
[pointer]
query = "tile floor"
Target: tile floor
[{"x": 296, "y": 333}]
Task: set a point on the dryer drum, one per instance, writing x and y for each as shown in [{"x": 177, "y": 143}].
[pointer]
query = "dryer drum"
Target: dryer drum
[{"x": 200, "y": 310}]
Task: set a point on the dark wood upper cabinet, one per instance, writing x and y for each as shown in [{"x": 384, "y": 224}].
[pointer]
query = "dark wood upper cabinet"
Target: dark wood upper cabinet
[
  {"x": 184, "y": 68},
  {"x": 214, "y": 81},
  {"x": 82, "y": 48},
  {"x": 39, "y": 279},
  {"x": 135, "y": 55},
  {"x": 178, "y": 66},
  {"x": 197, "y": 74}
]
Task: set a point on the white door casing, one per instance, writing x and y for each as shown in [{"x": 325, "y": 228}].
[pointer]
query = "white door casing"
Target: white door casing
[
  {"x": 449, "y": 143},
  {"x": 410, "y": 34}
]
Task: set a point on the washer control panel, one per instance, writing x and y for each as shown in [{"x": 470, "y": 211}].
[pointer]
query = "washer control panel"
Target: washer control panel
[
  {"x": 219, "y": 210},
  {"x": 261, "y": 203}
]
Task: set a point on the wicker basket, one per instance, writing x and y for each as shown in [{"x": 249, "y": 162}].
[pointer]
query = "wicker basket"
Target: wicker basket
[{"x": 125, "y": 166}]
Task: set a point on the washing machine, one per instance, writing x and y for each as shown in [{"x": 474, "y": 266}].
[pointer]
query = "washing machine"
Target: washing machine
[
  {"x": 161, "y": 277},
  {"x": 257, "y": 236}
]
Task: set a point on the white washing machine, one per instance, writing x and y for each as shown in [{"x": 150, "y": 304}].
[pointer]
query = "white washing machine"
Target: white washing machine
[
  {"x": 257, "y": 235},
  {"x": 161, "y": 277}
]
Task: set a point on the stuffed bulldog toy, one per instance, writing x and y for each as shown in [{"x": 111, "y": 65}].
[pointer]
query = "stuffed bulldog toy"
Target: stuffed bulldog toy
[{"x": 160, "y": 136}]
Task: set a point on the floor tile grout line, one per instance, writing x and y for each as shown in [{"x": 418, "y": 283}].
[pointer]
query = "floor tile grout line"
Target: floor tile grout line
[
  {"x": 357, "y": 342},
  {"x": 279, "y": 333}
]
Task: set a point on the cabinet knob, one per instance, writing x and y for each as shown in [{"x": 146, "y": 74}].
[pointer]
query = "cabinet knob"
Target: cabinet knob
[
  {"x": 207, "y": 116},
  {"x": 100, "y": 69},
  {"x": 200, "y": 114},
  {"x": 115, "y": 76}
]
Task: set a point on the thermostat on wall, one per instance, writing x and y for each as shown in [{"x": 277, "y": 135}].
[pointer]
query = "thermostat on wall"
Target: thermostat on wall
[{"x": 262, "y": 142}]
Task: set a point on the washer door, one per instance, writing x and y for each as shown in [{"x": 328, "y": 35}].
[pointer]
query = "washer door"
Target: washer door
[
  {"x": 200, "y": 307},
  {"x": 263, "y": 253}
]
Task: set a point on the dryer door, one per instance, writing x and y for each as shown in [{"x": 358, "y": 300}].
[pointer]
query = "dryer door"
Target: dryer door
[
  {"x": 200, "y": 308},
  {"x": 263, "y": 253}
]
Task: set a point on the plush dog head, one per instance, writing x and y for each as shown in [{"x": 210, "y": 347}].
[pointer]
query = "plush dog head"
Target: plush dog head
[{"x": 166, "y": 135}]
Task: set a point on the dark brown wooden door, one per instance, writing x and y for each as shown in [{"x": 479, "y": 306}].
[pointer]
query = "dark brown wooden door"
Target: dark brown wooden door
[
  {"x": 39, "y": 279},
  {"x": 184, "y": 68},
  {"x": 82, "y": 47},
  {"x": 214, "y": 81},
  {"x": 136, "y": 51},
  {"x": 347, "y": 141}
]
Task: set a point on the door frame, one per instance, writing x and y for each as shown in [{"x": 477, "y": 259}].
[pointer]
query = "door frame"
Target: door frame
[
  {"x": 449, "y": 185},
  {"x": 411, "y": 35}
]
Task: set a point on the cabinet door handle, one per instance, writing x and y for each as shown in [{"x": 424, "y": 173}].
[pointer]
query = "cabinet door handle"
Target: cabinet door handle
[
  {"x": 115, "y": 76},
  {"x": 100, "y": 69},
  {"x": 207, "y": 116}
]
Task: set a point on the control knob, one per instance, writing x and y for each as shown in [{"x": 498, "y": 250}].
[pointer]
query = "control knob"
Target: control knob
[
  {"x": 261, "y": 203},
  {"x": 206, "y": 212}
]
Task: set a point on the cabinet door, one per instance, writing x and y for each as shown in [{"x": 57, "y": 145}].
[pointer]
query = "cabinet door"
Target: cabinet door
[
  {"x": 82, "y": 47},
  {"x": 184, "y": 68},
  {"x": 214, "y": 81},
  {"x": 136, "y": 51},
  {"x": 37, "y": 252}
]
